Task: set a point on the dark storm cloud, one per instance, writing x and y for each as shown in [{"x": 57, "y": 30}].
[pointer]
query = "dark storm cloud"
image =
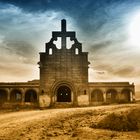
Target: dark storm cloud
[
  {"x": 90, "y": 15},
  {"x": 80, "y": 6},
  {"x": 100, "y": 46},
  {"x": 23, "y": 50},
  {"x": 126, "y": 71}
]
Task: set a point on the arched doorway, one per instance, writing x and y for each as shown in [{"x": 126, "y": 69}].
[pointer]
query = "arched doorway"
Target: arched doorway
[
  {"x": 97, "y": 96},
  {"x": 125, "y": 95},
  {"x": 64, "y": 94},
  {"x": 3, "y": 96},
  {"x": 31, "y": 96},
  {"x": 111, "y": 96},
  {"x": 15, "y": 95}
]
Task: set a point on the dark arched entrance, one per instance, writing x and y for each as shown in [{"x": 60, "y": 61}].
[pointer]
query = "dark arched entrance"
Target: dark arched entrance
[
  {"x": 3, "y": 96},
  {"x": 64, "y": 94},
  {"x": 15, "y": 95},
  {"x": 31, "y": 96},
  {"x": 111, "y": 96},
  {"x": 125, "y": 95},
  {"x": 97, "y": 96}
]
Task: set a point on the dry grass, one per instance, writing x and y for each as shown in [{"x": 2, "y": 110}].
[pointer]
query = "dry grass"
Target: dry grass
[
  {"x": 122, "y": 121},
  {"x": 72, "y": 123}
]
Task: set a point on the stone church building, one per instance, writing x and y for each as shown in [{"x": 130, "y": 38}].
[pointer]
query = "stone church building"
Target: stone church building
[{"x": 64, "y": 80}]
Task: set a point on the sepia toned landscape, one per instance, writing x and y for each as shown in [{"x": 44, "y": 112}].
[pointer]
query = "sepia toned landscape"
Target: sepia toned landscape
[
  {"x": 69, "y": 70},
  {"x": 113, "y": 122}
]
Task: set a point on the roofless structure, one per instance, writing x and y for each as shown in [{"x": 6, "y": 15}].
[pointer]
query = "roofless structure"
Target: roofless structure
[{"x": 64, "y": 80}]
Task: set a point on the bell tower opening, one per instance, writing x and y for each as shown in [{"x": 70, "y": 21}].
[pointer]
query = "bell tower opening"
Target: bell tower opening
[{"x": 64, "y": 94}]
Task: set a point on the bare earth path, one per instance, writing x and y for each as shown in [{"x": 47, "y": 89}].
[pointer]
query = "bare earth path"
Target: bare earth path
[{"x": 61, "y": 124}]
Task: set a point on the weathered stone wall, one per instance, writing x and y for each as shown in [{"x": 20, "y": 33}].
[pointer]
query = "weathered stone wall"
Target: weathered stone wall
[
  {"x": 22, "y": 94},
  {"x": 111, "y": 92},
  {"x": 123, "y": 91},
  {"x": 63, "y": 65}
]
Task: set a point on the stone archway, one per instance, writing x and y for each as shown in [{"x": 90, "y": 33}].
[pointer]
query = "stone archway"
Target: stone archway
[
  {"x": 97, "y": 95},
  {"x": 31, "y": 96},
  {"x": 63, "y": 91},
  {"x": 3, "y": 96},
  {"x": 126, "y": 95},
  {"x": 15, "y": 95},
  {"x": 111, "y": 95},
  {"x": 63, "y": 94}
]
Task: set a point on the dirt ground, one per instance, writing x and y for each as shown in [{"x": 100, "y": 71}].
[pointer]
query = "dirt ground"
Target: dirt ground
[{"x": 62, "y": 124}]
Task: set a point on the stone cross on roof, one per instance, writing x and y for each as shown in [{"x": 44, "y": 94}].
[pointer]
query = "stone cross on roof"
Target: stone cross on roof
[{"x": 63, "y": 34}]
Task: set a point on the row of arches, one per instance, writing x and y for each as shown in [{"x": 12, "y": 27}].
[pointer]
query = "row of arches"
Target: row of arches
[
  {"x": 111, "y": 95},
  {"x": 16, "y": 95}
]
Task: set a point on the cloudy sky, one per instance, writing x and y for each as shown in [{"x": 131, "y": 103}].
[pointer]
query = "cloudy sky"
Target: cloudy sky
[{"x": 108, "y": 29}]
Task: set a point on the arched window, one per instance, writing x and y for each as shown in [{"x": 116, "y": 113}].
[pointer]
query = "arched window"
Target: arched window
[
  {"x": 50, "y": 51},
  {"x": 125, "y": 95},
  {"x": 76, "y": 51},
  {"x": 97, "y": 95},
  {"x": 31, "y": 96},
  {"x": 3, "y": 96},
  {"x": 85, "y": 92},
  {"x": 111, "y": 95},
  {"x": 15, "y": 95}
]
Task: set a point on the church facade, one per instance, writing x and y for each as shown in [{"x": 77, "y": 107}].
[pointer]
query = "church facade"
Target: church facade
[{"x": 64, "y": 80}]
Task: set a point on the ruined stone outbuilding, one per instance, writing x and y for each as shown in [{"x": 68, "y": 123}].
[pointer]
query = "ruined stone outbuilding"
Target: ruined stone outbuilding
[{"x": 64, "y": 80}]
